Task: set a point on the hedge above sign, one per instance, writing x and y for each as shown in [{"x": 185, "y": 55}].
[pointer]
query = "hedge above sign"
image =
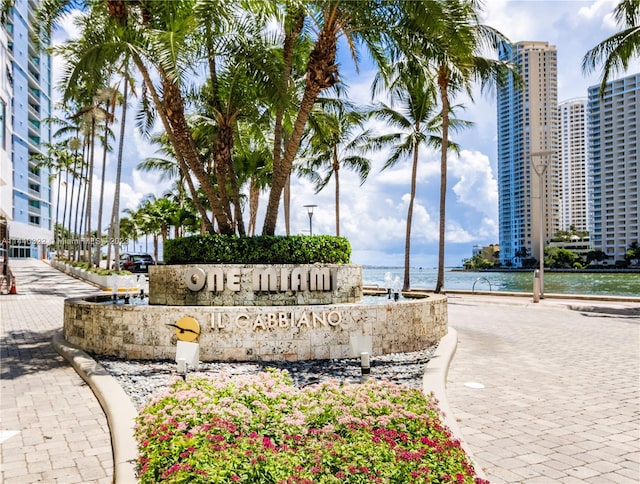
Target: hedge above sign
[{"x": 254, "y": 285}]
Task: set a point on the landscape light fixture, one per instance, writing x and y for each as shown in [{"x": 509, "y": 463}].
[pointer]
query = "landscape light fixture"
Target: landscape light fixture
[
  {"x": 540, "y": 169},
  {"x": 310, "y": 212}
]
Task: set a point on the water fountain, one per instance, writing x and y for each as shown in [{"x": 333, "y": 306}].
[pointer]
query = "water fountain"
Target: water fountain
[{"x": 255, "y": 313}]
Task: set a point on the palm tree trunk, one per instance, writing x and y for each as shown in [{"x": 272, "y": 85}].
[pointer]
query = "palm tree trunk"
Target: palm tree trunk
[
  {"x": 224, "y": 170},
  {"x": 184, "y": 167},
  {"x": 115, "y": 211},
  {"x": 155, "y": 246},
  {"x": 278, "y": 135},
  {"x": 104, "y": 167},
  {"x": 90, "y": 191},
  {"x": 56, "y": 229},
  {"x": 182, "y": 141},
  {"x": 64, "y": 211},
  {"x": 443, "y": 83},
  {"x": 287, "y": 206},
  {"x": 280, "y": 176},
  {"x": 406, "y": 285},
  {"x": 71, "y": 199},
  {"x": 320, "y": 75},
  {"x": 80, "y": 203},
  {"x": 336, "y": 173},
  {"x": 254, "y": 198}
]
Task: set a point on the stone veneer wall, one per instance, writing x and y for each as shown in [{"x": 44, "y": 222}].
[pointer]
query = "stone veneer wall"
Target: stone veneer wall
[
  {"x": 168, "y": 286},
  {"x": 259, "y": 333}
]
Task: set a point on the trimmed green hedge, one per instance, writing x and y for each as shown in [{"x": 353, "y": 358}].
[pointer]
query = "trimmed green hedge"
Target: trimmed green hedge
[{"x": 264, "y": 249}]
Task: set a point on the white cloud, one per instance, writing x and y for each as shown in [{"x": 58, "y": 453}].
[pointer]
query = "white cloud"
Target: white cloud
[
  {"x": 476, "y": 185},
  {"x": 454, "y": 233},
  {"x": 597, "y": 9},
  {"x": 514, "y": 21}
]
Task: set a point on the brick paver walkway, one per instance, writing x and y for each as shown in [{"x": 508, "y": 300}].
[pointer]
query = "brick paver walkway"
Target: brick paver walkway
[
  {"x": 52, "y": 427},
  {"x": 560, "y": 402},
  {"x": 561, "y": 396}
]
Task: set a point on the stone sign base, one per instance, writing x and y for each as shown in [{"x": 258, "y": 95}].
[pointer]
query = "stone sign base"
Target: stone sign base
[
  {"x": 264, "y": 333},
  {"x": 254, "y": 284}
]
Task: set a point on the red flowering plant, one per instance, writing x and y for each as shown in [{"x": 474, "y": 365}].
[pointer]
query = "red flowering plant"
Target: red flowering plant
[{"x": 261, "y": 429}]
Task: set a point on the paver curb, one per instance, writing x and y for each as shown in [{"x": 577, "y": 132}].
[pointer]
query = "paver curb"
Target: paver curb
[
  {"x": 434, "y": 381},
  {"x": 116, "y": 404}
]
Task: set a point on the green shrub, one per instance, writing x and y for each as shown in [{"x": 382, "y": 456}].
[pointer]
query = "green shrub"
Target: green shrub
[
  {"x": 229, "y": 249},
  {"x": 260, "y": 429}
]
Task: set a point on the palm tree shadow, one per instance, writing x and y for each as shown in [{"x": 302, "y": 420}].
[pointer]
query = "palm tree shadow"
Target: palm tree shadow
[{"x": 24, "y": 352}]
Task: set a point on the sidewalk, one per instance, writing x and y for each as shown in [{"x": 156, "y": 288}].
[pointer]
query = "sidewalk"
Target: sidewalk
[
  {"x": 52, "y": 428},
  {"x": 560, "y": 401}
]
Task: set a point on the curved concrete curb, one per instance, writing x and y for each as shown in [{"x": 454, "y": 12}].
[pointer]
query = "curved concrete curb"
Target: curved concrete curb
[
  {"x": 116, "y": 404},
  {"x": 121, "y": 413},
  {"x": 435, "y": 381}
]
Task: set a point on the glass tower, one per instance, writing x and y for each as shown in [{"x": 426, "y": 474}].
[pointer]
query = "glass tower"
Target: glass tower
[
  {"x": 25, "y": 101},
  {"x": 573, "y": 164},
  {"x": 528, "y": 181},
  {"x": 613, "y": 124}
]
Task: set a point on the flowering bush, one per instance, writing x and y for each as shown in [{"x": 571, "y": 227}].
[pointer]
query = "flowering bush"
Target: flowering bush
[{"x": 260, "y": 429}]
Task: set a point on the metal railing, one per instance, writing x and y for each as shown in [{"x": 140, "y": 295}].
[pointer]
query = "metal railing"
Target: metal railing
[{"x": 486, "y": 279}]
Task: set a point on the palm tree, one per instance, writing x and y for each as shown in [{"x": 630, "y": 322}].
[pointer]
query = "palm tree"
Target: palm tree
[
  {"x": 128, "y": 231},
  {"x": 254, "y": 163},
  {"x": 615, "y": 52},
  {"x": 160, "y": 212},
  {"x": 361, "y": 23},
  {"x": 336, "y": 139},
  {"x": 59, "y": 160},
  {"x": 115, "y": 209},
  {"x": 451, "y": 43},
  {"x": 107, "y": 96},
  {"x": 419, "y": 122}
]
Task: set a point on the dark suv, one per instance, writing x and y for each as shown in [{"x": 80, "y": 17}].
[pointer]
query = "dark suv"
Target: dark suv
[{"x": 136, "y": 262}]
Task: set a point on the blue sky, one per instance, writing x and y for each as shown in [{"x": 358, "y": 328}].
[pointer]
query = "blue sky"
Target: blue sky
[{"x": 373, "y": 215}]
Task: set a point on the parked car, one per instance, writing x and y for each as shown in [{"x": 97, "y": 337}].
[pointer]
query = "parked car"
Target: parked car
[{"x": 136, "y": 262}]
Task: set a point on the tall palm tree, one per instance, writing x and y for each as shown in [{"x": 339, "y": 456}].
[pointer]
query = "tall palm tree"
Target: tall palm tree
[
  {"x": 68, "y": 132},
  {"x": 109, "y": 97},
  {"x": 361, "y": 23},
  {"x": 419, "y": 123},
  {"x": 451, "y": 44},
  {"x": 115, "y": 209},
  {"x": 254, "y": 161},
  {"x": 59, "y": 160},
  {"x": 128, "y": 231},
  {"x": 615, "y": 52},
  {"x": 336, "y": 139}
]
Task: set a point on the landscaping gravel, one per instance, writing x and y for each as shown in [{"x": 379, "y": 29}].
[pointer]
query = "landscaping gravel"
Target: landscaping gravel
[{"x": 141, "y": 379}]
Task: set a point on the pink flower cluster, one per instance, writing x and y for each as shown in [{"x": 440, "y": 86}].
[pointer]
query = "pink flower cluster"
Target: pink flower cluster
[{"x": 260, "y": 428}]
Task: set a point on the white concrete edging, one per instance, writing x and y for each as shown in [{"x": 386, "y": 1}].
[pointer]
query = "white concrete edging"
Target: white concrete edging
[
  {"x": 121, "y": 413},
  {"x": 117, "y": 406},
  {"x": 434, "y": 381}
]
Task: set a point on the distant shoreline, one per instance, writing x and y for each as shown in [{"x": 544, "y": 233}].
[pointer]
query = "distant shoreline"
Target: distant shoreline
[
  {"x": 612, "y": 270},
  {"x": 599, "y": 270}
]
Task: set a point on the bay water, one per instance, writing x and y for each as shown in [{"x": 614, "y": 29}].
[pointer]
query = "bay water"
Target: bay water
[{"x": 589, "y": 283}]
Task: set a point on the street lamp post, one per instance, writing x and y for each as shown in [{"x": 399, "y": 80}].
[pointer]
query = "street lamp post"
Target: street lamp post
[
  {"x": 540, "y": 170},
  {"x": 310, "y": 212}
]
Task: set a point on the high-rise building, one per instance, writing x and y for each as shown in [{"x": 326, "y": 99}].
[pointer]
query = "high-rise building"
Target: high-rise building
[
  {"x": 528, "y": 181},
  {"x": 25, "y": 101},
  {"x": 572, "y": 154},
  {"x": 613, "y": 124}
]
